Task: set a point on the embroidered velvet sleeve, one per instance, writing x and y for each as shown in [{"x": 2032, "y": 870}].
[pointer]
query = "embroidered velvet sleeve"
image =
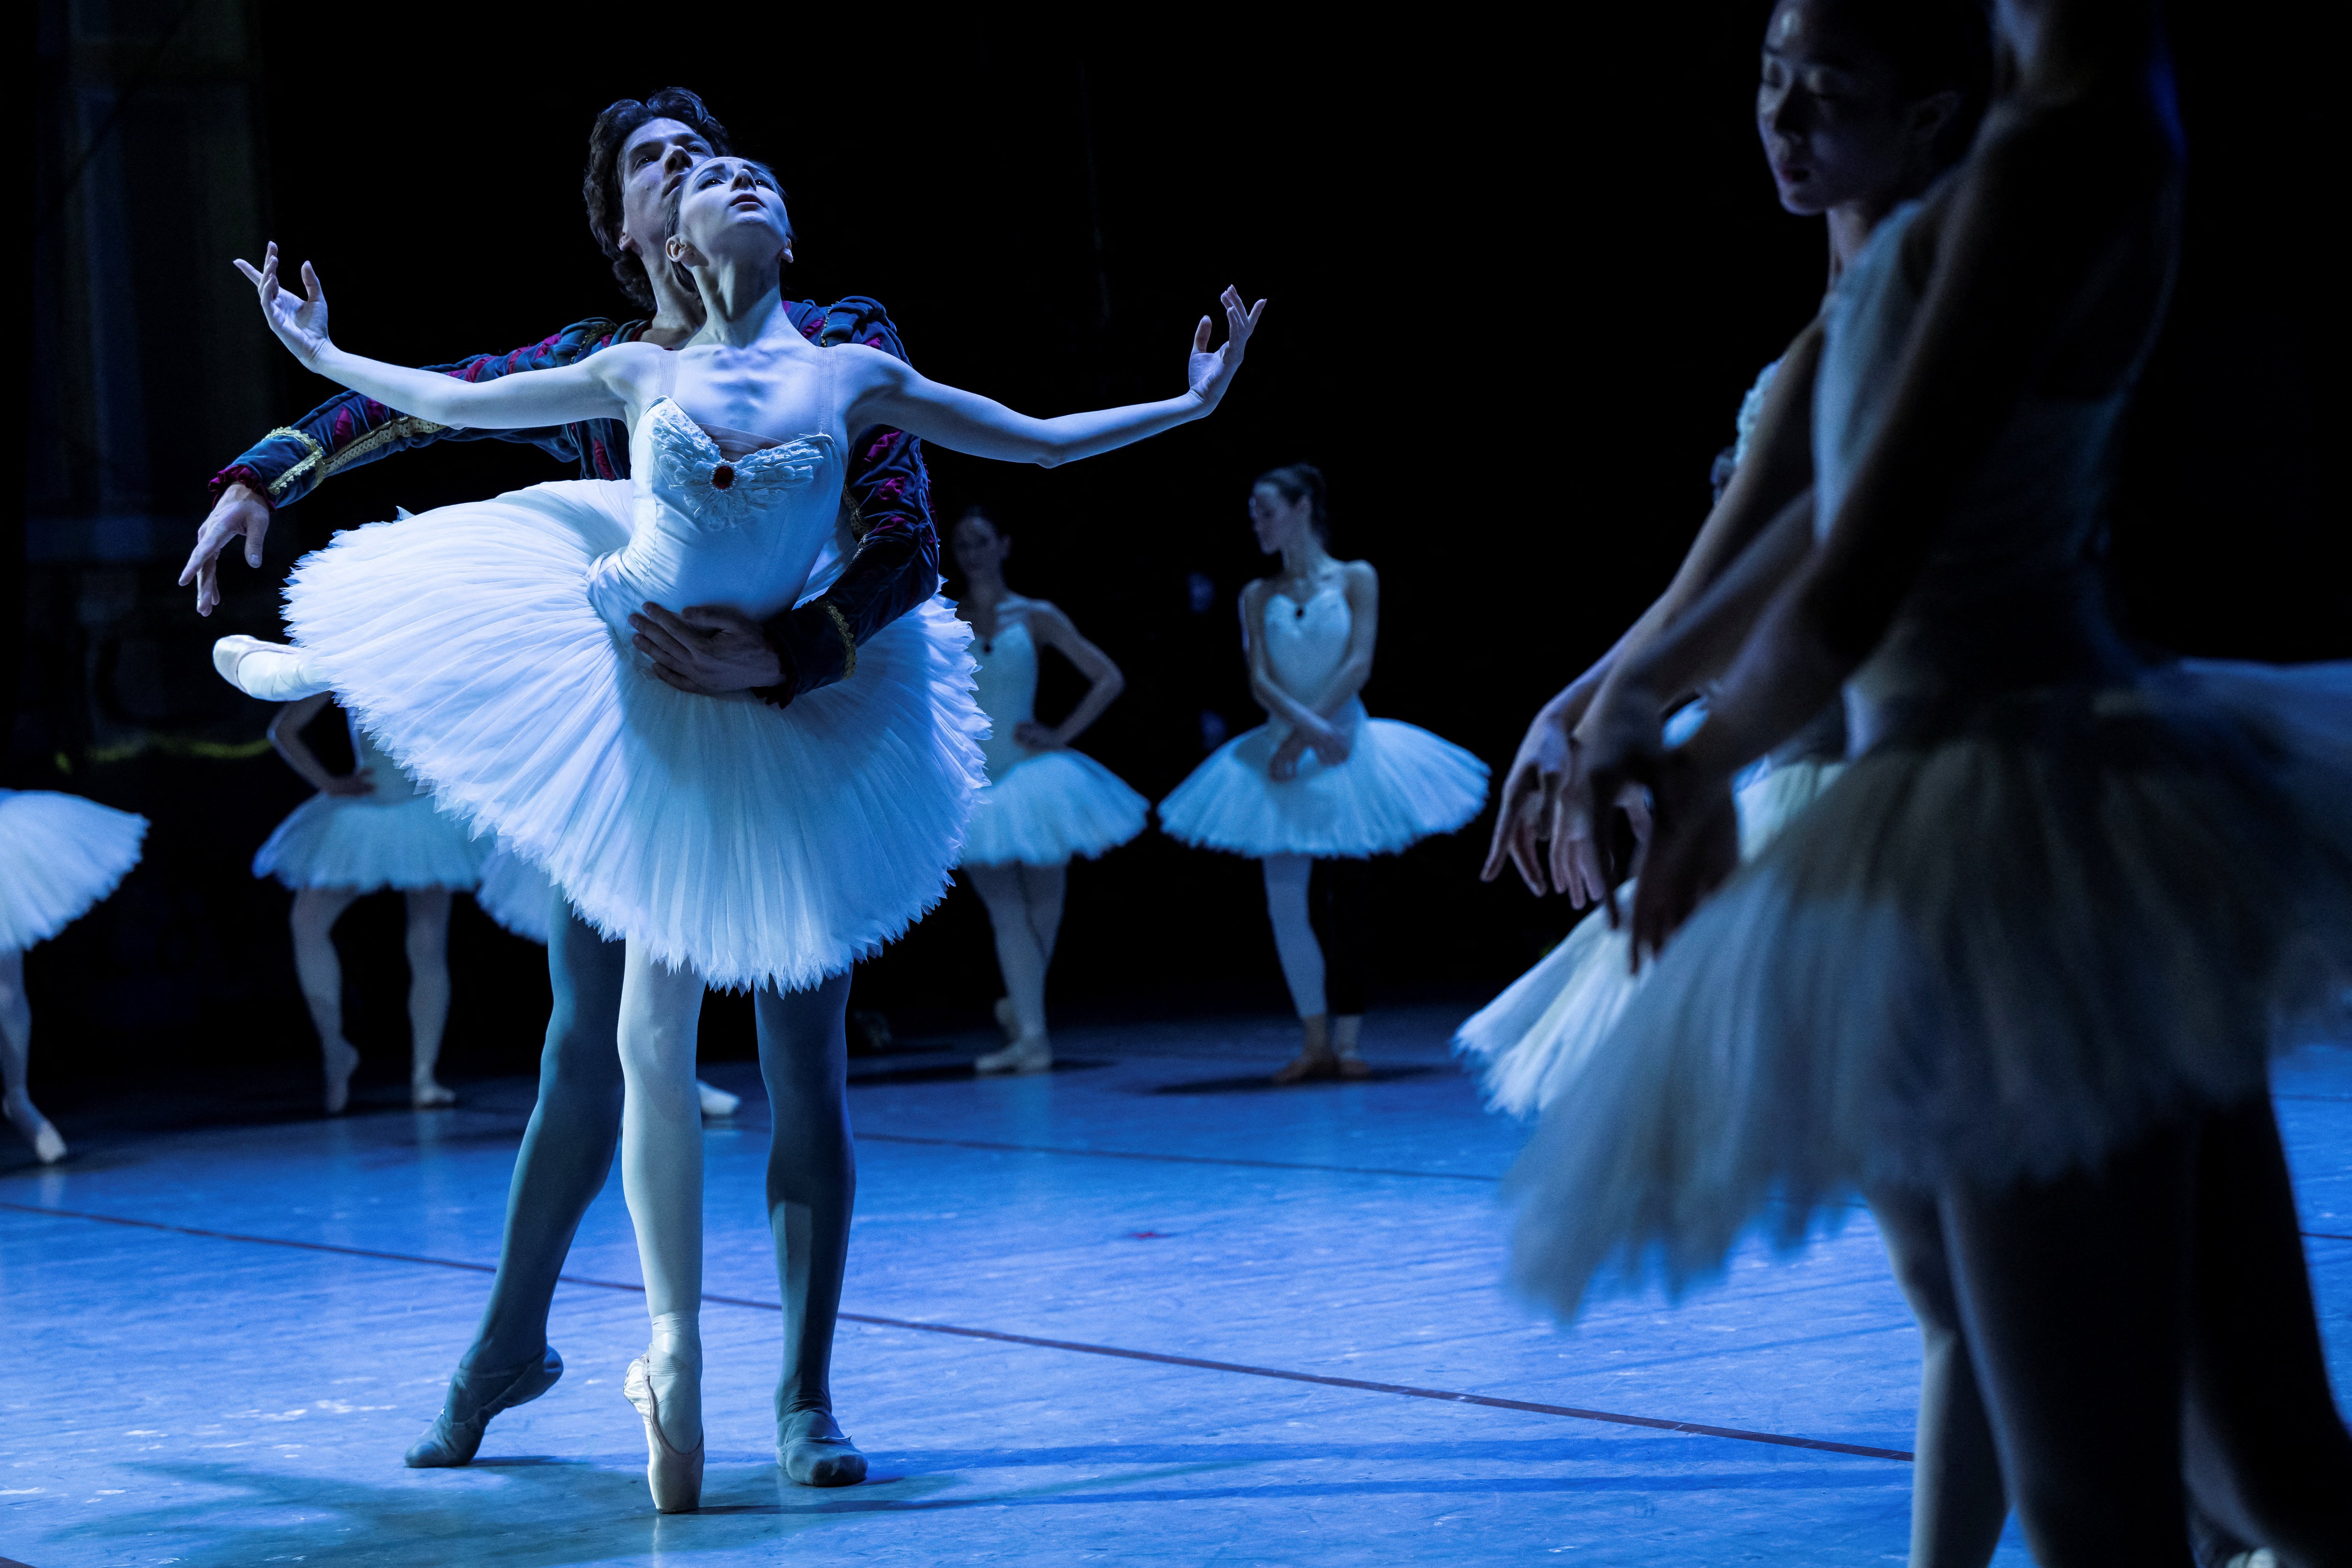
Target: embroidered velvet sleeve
[
  {"x": 346, "y": 431},
  {"x": 897, "y": 563}
]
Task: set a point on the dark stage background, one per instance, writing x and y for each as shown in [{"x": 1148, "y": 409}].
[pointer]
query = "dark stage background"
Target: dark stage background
[{"x": 1518, "y": 282}]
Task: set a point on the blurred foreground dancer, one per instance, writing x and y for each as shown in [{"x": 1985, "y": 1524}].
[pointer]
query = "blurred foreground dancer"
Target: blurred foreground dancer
[
  {"x": 1044, "y": 803},
  {"x": 1860, "y": 105},
  {"x": 364, "y": 831},
  {"x": 59, "y": 854},
  {"x": 638, "y": 153},
  {"x": 1320, "y": 782},
  {"x": 2017, "y": 973}
]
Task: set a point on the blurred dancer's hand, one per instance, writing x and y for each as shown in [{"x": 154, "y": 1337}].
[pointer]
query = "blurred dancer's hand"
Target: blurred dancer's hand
[
  {"x": 1623, "y": 748},
  {"x": 240, "y": 512},
  {"x": 1545, "y": 772},
  {"x": 1035, "y": 736},
  {"x": 1283, "y": 766},
  {"x": 1208, "y": 375},
  {"x": 1693, "y": 846},
  {"x": 708, "y": 650},
  {"x": 350, "y": 784}
]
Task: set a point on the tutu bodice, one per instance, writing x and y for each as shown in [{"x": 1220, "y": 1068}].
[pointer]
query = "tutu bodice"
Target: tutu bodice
[
  {"x": 2009, "y": 597},
  {"x": 1306, "y": 644},
  {"x": 1007, "y": 691},
  {"x": 708, "y": 529}
]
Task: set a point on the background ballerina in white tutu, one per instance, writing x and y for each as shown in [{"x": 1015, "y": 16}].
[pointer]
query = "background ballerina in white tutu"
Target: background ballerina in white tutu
[
  {"x": 1044, "y": 803},
  {"x": 727, "y": 841},
  {"x": 1321, "y": 781},
  {"x": 59, "y": 854},
  {"x": 365, "y": 831}
]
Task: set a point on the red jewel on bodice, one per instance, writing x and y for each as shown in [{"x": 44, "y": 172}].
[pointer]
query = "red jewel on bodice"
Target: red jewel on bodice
[{"x": 722, "y": 477}]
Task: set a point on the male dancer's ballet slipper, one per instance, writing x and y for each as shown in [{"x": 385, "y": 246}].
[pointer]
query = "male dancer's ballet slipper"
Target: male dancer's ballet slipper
[
  {"x": 1030, "y": 1053},
  {"x": 814, "y": 1452},
  {"x": 674, "y": 1478},
  {"x": 269, "y": 670},
  {"x": 475, "y": 1396}
]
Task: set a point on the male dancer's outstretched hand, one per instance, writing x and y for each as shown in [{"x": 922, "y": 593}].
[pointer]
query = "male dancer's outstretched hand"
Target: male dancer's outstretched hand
[
  {"x": 240, "y": 513},
  {"x": 707, "y": 649}
]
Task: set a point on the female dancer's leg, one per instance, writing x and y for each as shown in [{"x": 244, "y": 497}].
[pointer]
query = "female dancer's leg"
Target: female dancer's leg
[
  {"x": 812, "y": 1188},
  {"x": 1338, "y": 893},
  {"x": 15, "y": 1061},
  {"x": 1025, "y": 911},
  {"x": 315, "y": 912},
  {"x": 428, "y": 993},
  {"x": 661, "y": 1176}
]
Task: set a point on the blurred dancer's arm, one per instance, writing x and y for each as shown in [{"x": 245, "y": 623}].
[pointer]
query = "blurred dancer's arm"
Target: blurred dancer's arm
[
  {"x": 286, "y": 728},
  {"x": 1055, "y": 630}
]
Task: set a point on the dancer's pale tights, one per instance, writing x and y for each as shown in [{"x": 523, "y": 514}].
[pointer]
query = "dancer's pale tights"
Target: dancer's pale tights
[
  {"x": 1024, "y": 909},
  {"x": 1286, "y": 877},
  {"x": 16, "y": 1022},
  {"x": 320, "y": 973}
]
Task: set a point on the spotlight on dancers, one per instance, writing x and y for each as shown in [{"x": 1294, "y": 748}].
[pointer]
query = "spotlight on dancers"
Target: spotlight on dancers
[
  {"x": 1044, "y": 803},
  {"x": 1319, "y": 788},
  {"x": 59, "y": 855},
  {"x": 370, "y": 830}
]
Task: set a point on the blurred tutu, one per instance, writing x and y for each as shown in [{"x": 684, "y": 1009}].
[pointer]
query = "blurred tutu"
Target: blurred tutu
[
  {"x": 59, "y": 854},
  {"x": 390, "y": 838},
  {"x": 1533, "y": 1036},
  {"x": 1041, "y": 808},
  {"x": 1400, "y": 784},
  {"x": 517, "y": 895},
  {"x": 486, "y": 644},
  {"x": 1993, "y": 954}
]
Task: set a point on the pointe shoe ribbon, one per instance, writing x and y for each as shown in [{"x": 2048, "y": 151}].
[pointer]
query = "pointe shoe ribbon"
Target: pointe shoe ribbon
[
  {"x": 674, "y": 1478},
  {"x": 271, "y": 671},
  {"x": 474, "y": 1398}
]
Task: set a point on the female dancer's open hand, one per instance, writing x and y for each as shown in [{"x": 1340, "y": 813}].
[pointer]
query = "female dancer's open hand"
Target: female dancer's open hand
[
  {"x": 1207, "y": 373},
  {"x": 1693, "y": 846},
  {"x": 300, "y": 324}
]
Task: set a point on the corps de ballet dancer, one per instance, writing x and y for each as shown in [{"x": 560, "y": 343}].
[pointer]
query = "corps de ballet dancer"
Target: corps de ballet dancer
[
  {"x": 728, "y": 843},
  {"x": 2018, "y": 974},
  {"x": 885, "y": 565},
  {"x": 1861, "y": 104},
  {"x": 1045, "y": 803},
  {"x": 370, "y": 829},
  {"x": 1320, "y": 787},
  {"x": 59, "y": 855}
]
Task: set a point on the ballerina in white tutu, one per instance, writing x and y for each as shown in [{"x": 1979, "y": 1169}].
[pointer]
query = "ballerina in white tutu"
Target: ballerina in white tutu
[
  {"x": 727, "y": 841},
  {"x": 1044, "y": 803},
  {"x": 59, "y": 854},
  {"x": 1320, "y": 782},
  {"x": 2018, "y": 974},
  {"x": 370, "y": 829},
  {"x": 1860, "y": 105}
]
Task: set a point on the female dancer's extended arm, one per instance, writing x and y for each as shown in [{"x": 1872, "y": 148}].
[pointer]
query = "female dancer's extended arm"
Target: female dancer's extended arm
[
  {"x": 1051, "y": 627},
  {"x": 599, "y": 387},
  {"x": 1541, "y": 797},
  {"x": 894, "y": 394},
  {"x": 286, "y": 728}
]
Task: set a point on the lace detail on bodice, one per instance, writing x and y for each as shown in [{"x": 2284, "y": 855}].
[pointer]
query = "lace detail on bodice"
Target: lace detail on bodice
[
  {"x": 1005, "y": 682},
  {"x": 708, "y": 529}
]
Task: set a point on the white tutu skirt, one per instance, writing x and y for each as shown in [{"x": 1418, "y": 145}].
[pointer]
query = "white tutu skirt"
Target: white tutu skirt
[
  {"x": 1051, "y": 807},
  {"x": 517, "y": 895},
  {"x": 346, "y": 841},
  {"x": 1399, "y": 784},
  {"x": 1533, "y": 1036},
  {"x": 59, "y": 854},
  {"x": 753, "y": 843},
  {"x": 1995, "y": 954}
]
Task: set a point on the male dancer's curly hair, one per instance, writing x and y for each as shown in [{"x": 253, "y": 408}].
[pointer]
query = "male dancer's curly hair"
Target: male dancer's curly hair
[{"x": 600, "y": 184}]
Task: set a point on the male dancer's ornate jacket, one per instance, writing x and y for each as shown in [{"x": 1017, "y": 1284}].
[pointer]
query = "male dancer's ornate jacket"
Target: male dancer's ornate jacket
[{"x": 896, "y": 565}]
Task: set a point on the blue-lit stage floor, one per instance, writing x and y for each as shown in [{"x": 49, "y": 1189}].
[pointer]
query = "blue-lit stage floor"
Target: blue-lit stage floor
[{"x": 221, "y": 1341}]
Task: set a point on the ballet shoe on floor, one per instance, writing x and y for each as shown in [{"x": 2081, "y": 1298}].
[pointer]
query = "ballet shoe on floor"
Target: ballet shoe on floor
[
  {"x": 674, "y": 1477},
  {"x": 717, "y": 1103},
  {"x": 429, "y": 1093},
  {"x": 269, "y": 670},
  {"x": 474, "y": 1398},
  {"x": 1353, "y": 1068},
  {"x": 814, "y": 1452},
  {"x": 339, "y": 1059},
  {"x": 1030, "y": 1053},
  {"x": 1309, "y": 1063},
  {"x": 48, "y": 1144},
  {"x": 1008, "y": 1018}
]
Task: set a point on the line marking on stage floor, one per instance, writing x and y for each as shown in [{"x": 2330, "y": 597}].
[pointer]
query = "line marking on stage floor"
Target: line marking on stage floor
[
  {"x": 1171, "y": 1159},
  {"x": 1444, "y": 1395}
]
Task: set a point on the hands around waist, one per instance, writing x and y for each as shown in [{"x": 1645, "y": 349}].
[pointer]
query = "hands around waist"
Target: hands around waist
[{"x": 707, "y": 649}]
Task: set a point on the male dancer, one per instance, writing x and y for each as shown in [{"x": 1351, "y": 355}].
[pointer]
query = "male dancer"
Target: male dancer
[{"x": 637, "y": 152}]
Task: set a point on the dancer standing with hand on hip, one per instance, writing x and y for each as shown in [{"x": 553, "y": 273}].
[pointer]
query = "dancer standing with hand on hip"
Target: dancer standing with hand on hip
[
  {"x": 1320, "y": 782},
  {"x": 810, "y": 834},
  {"x": 1044, "y": 803}
]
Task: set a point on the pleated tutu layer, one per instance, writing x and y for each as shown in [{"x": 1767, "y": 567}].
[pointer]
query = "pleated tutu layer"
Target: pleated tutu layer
[
  {"x": 330, "y": 841},
  {"x": 1052, "y": 808},
  {"x": 59, "y": 854},
  {"x": 1534, "y": 1036},
  {"x": 1994, "y": 955},
  {"x": 1399, "y": 784},
  {"x": 753, "y": 843},
  {"x": 517, "y": 895}
]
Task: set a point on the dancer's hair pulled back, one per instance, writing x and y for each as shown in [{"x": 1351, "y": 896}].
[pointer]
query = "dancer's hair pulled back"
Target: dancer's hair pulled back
[
  {"x": 600, "y": 184},
  {"x": 1293, "y": 481},
  {"x": 1935, "y": 45}
]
